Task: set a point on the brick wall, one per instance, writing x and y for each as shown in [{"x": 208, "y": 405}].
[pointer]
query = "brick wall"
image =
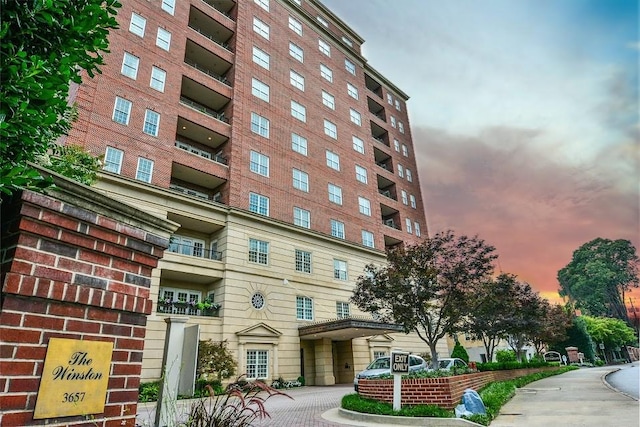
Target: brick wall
[
  {"x": 74, "y": 265},
  {"x": 445, "y": 391}
]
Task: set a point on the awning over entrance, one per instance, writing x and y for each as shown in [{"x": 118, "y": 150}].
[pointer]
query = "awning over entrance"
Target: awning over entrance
[{"x": 346, "y": 329}]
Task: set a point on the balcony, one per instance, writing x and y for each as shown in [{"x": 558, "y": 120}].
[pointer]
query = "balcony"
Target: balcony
[
  {"x": 207, "y": 62},
  {"x": 201, "y": 152},
  {"x": 218, "y": 115},
  {"x": 210, "y": 28},
  {"x": 386, "y": 187},
  {"x": 225, "y": 7},
  {"x": 196, "y": 250},
  {"x": 383, "y": 160},
  {"x": 379, "y": 133},
  {"x": 376, "y": 109},
  {"x": 373, "y": 85},
  {"x": 200, "y": 136}
]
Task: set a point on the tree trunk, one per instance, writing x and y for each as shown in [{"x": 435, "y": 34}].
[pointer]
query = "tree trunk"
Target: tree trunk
[{"x": 434, "y": 355}]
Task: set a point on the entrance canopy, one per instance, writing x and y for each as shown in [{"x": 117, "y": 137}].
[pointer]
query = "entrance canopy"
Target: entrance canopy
[{"x": 346, "y": 329}]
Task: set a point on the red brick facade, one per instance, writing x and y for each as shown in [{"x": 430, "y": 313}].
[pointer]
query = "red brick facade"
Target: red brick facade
[
  {"x": 445, "y": 391},
  {"x": 70, "y": 271}
]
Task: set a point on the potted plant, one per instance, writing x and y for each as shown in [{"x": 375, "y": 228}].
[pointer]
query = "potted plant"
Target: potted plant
[{"x": 208, "y": 308}]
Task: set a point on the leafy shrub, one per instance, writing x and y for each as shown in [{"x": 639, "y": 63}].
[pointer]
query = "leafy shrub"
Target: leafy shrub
[
  {"x": 215, "y": 360},
  {"x": 502, "y": 366},
  {"x": 506, "y": 356},
  {"x": 354, "y": 402},
  {"x": 460, "y": 352},
  {"x": 239, "y": 406},
  {"x": 148, "y": 392},
  {"x": 281, "y": 383},
  {"x": 301, "y": 380},
  {"x": 203, "y": 387}
]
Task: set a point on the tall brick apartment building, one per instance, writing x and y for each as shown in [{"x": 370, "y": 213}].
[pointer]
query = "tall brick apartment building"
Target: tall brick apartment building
[{"x": 286, "y": 160}]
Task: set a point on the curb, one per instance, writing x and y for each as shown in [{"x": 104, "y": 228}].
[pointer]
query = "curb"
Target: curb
[
  {"x": 404, "y": 421},
  {"x": 603, "y": 378}
]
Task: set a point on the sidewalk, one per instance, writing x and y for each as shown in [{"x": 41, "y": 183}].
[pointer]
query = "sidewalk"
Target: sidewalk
[{"x": 578, "y": 398}]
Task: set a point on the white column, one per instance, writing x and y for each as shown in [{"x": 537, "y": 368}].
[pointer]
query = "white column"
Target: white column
[{"x": 171, "y": 364}]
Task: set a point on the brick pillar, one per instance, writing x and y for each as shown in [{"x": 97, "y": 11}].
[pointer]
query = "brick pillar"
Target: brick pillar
[{"x": 77, "y": 265}]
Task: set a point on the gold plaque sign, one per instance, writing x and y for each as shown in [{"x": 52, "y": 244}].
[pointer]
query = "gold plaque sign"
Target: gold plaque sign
[{"x": 74, "y": 378}]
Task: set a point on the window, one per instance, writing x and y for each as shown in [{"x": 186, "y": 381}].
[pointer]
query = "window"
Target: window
[
  {"x": 130, "y": 65},
  {"x": 324, "y": 47},
  {"x": 400, "y": 171},
  {"x": 390, "y": 99},
  {"x": 302, "y": 217},
  {"x": 322, "y": 21},
  {"x": 144, "y": 170},
  {"x": 158, "y": 77},
  {"x": 333, "y": 160},
  {"x": 378, "y": 354},
  {"x": 405, "y": 151},
  {"x": 330, "y": 129},
  {"x": 417, "y": 227},
  {"x": 259, "y": 204},
  {"x": 137, "y": 24},
  {"x": 295, "y": 26},
  {"x": 355, "y": 117},
  {"x": 367, "y": 238},
  {"x": 187, "y": 246},
  {"x": 169, "y": 6},
  {"x": 259, "y": 89},
  {"x": 347, "y": 41},
  {"x": 258, "y": 301},
  {"x": 299, "y": 144},
  {"x": 258, "y": 360},
  {"x": 361, "y": 174},
  {"x": 398, "y": 105},
  {"x": 364, "y": 205},
  {"x": 393, "y": 122},
  {"x": 261, "y": 28},
  {"x": 396, "y": 145},
  {"x": 258, "y": 251},
  {"x": 265, "y": 5},
  {"x": 259, "y": 125},
  {"x": 304, "y": 308},
  {"x": 339, "y": 269},
  {"x": 303, "y": 261},
  {"x": 188, "y": 297},
  {"x": 413, "y": 201},
  {"x": 358, "y": 144},
  {"x": 407, "y": 222},
  {"x": 300, "y": 180},
  {"x": 113, "y": 160},
  {"x": 352, "y": 91},
  {"x": 400, "y": 127},
  {"x": 342, "y": 309},
  {"x": 261, "y": 58},
  {"x": 335, "y": 194},
  {"x": 296, "y": 51},
  {"x": 163, "y": 39},
  {"x": 151, "y": 123},
  {"x": 328, "y": 100},
  {"x": 350, "y": 67},
  {"x": 404, "y": 197},
  {"x": 121, "y": 111},
  {"x": 409, "y": 177},
  {"x": 259, "y": 163},
  {"x": 298, "y": 111},
  {"x": 296, "y": 80},
  {"x": 326, "y": 73},
  {"x": 337, "y": 229}
]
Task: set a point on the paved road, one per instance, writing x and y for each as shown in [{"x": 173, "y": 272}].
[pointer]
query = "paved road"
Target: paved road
[{"x": 627, "y": 379}]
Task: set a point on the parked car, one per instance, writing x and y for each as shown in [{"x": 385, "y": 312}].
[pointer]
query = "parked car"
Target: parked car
[
  {"x": 448, "y": 363},
  {"x": 381, "y": 366}
]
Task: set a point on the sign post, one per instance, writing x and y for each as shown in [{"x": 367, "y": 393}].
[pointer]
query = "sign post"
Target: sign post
[{"x": 399, "y": 366}]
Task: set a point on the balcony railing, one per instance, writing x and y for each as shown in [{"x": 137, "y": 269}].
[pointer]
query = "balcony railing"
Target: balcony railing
[
  {"x": 380, "y": 140},
  {"x": 202, "y": 153},
  {"x": 187, "y": 308},
  {"x": 195, "y": 250},
  {"x": 208, "y": 72},
  {"x": 210, "y": 37},
  {"x": 205, "y": 110},
  {"x": 387, "y": 193},
  {"x": 212, "y": 3},
  {"x": 391, "y": 223}
]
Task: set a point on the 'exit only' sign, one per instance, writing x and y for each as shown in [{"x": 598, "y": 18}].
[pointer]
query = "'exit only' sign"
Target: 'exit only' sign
[{"x": 399, "y": 363}]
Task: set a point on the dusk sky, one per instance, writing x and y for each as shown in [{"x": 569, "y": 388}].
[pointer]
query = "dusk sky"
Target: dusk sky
[{"x": 524, "y": 116}]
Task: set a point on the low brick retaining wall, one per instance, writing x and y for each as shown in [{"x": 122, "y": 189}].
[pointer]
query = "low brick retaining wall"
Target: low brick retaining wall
[{"x": 445, "y": 392}]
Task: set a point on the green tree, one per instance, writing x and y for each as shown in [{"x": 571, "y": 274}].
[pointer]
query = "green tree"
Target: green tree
[
  {"x": 577, "y": 336},
  {"x": 556, "y": 321},
  {"x": 45, "y": 45},
  {"x": 460, "y": 352},
  {"x": 599, "y": 274},
  {"x": 425, "y": 287},
  {"x": 73, "y": 162},
  {"x": 527, "y": 318},
  {"x": 611, "y": 332}
]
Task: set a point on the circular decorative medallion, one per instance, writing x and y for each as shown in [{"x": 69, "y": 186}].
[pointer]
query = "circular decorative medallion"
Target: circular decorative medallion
[{"x": 257, "y": 301}]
